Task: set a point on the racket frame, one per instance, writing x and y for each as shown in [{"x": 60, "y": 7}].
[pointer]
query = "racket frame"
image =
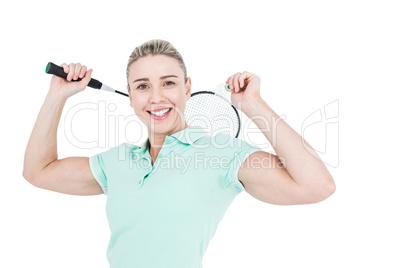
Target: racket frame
[{"x": 217, "y": 95}]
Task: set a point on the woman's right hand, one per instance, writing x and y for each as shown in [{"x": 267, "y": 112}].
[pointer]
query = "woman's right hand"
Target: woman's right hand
[{"x": 65, "y": 88}]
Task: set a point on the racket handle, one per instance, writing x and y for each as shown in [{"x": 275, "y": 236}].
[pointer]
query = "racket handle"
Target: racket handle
[{"x": 56, "y": 70}]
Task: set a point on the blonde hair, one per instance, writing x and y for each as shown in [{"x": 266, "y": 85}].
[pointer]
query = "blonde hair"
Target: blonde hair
[{"x": 156, "y": 47}]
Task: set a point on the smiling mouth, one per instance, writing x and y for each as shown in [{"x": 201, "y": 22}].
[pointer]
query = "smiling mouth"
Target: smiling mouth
[{"x": 160, "y": 113}]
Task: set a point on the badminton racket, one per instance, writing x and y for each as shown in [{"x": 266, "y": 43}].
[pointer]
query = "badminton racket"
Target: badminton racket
[{"x": 211, "y": 110}]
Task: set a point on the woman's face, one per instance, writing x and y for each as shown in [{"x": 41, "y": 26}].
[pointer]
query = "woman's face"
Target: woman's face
[{"x": 158, "y": 93}]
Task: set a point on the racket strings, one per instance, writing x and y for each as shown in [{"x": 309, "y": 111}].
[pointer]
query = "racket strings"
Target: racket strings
[{"x": 213, "y": 113}]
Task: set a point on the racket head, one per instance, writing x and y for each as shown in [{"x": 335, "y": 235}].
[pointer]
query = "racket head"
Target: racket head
[{"x": 212, "y": 112}]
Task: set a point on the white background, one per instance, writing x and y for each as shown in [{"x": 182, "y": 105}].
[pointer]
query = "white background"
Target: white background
[{"x": 308, "y": 54}]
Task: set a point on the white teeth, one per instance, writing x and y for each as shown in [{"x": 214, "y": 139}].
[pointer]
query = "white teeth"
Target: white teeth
[{"x": 161, "y": 112}]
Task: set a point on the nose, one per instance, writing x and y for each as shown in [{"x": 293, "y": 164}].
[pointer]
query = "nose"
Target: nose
[{"x": 157, "y": 96}]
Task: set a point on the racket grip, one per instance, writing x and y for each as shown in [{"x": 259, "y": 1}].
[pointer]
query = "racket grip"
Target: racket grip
[{"x": 56, "y": 70}]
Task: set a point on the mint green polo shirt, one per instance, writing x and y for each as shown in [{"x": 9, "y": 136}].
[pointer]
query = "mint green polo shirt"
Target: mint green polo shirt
[{"x": 164, "y": 215}]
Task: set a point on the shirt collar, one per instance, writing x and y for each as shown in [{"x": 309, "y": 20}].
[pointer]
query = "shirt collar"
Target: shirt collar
[{"x": 187, "y": 136}]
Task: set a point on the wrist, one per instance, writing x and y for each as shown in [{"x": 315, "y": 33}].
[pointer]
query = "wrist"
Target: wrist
[
  {"x": 56, "y": 97},
  {"x": 253, "y": 107}
]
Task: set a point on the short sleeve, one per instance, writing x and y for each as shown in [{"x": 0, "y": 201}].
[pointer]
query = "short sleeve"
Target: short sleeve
[
  {"x": 97, "y": 168},
  {"x": 240, "y": 155}
]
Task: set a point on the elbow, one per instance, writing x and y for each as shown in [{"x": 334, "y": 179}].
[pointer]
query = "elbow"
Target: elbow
[
  {"x": 28, "y": 176},
  {"x": 322, "y": 191},
  {"x": 25, "y": 174},
  {"x": 329, "y": 189}
]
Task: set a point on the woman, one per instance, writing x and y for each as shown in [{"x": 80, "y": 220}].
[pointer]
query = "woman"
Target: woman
[{"x": 161, "y": 213}]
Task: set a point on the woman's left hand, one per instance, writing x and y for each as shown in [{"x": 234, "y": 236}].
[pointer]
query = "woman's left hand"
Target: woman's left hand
[{"x": 245, "y": 88}]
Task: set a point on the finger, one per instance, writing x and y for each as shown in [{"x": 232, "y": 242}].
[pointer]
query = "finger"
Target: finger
[
  {"x": 87, "y": 77},
  {"x": 71, "y": 71},
  {"x": 77, "y": 71},
  {"x": 236, "y": 82},
  {"x": 65, "y": 67},
  {"x": 242, "y": 79},
  {"x": 230, "y": 82},
  {"x": 83, "y": 71},
  {"x": 246, "y": 76}
]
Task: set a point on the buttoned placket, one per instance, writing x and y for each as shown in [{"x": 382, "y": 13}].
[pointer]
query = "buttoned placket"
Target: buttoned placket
[{"x": 142, "y": 154}]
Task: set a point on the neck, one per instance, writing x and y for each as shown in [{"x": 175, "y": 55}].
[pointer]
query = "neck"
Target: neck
[{"x": 156, "y": 140}]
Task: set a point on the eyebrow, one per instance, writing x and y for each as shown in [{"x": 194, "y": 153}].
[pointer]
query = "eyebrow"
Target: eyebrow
[{"x": 161, "y": 78}]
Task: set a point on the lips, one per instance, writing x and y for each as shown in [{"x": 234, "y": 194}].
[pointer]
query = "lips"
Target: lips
[
  {"x": 160, "y": 113},
  {"x": 159, "y": 109}
]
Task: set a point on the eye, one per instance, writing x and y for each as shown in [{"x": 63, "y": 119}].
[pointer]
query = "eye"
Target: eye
[
  {"x": 143, "y": 86},
  {"x": 169, "y": 83}
]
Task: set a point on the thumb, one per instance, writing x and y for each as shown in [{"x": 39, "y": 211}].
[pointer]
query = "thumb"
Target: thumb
[{"x": 85, "y": 80}]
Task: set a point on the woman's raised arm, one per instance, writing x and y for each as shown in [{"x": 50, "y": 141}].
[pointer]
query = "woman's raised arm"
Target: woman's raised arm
[
  {"x": 42, "y": 168},
  {"x": 296, "y": 174}
]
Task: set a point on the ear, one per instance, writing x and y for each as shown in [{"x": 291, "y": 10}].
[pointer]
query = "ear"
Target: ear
[
  {"x": 188, "y": 88},
  {"x": 129, "y": 95}
]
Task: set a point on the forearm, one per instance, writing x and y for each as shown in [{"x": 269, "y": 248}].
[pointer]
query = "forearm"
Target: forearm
[
  {"x": 42, "y": 145},
  {"x": 300, "y": 159}
]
